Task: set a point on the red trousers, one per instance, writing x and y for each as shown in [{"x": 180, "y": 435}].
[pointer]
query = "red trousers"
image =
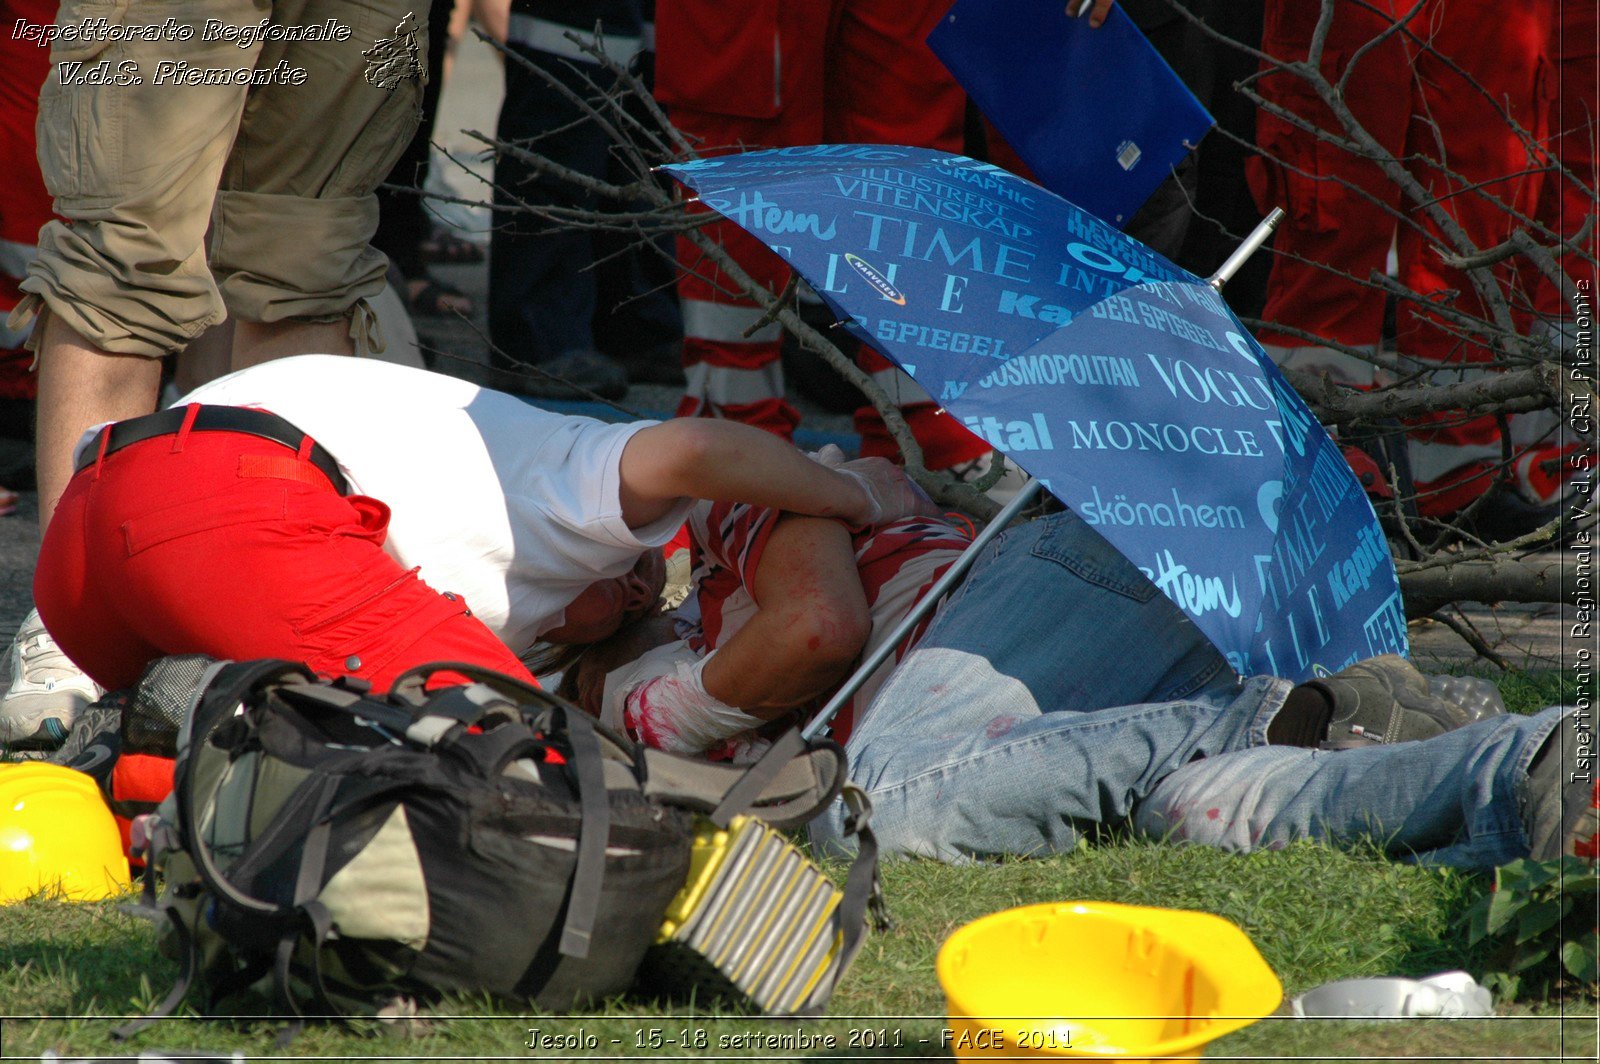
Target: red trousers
[
  {"x": 1441, "y": 100},
  {"x": 1565, "y": 200},
  {"x": 224, "y": 544},
  {"x": 769, "y": 74}
]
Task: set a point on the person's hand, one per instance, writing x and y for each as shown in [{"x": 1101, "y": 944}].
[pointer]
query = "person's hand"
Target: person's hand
[
  {"x": 744, "y": 749},
  {"x": 890, "y": 494},
  {"x": 1097, "y": 10},
  {"x": 675, "y": 713}
]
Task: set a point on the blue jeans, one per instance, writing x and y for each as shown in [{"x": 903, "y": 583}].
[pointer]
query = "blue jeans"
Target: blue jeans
[
  {"x": 1058, "y": 690},
  {"x": 1054, "y": 689},
  {"x": 1453, "y": 799}
]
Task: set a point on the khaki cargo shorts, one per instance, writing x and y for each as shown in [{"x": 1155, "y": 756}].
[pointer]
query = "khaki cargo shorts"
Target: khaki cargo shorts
[{"x": 273, "y": 147}]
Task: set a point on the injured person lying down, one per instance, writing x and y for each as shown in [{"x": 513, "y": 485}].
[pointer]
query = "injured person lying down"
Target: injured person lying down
[{"x": 1057, "y": 690}]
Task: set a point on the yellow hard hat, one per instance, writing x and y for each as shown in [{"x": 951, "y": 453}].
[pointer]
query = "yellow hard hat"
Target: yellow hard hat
[
  {"x": 57, "y": 836},
  {"x": 1093, "y": 979}
]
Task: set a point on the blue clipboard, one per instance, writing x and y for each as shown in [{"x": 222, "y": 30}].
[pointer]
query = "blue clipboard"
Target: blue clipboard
[{"x": 1096, "y": 113}]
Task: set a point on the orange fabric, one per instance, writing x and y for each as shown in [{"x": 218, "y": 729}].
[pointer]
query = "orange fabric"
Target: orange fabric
[{"x": 137, "y": 780}]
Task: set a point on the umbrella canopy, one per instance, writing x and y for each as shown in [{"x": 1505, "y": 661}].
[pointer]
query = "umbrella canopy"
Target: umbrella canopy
[{"x": 1122, "y": 382}]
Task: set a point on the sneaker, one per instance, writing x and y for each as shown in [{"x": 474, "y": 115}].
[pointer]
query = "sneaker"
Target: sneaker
[
  {"x": 1384, "y": 700},
  {"x": 1561, "y": 806},
  {"x": 94, "y": 742},
  {"x": 47, "y": 690}
]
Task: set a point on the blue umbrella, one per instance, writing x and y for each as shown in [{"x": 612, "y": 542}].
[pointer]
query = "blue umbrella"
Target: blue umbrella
[{"x": 1123, "y": 383}]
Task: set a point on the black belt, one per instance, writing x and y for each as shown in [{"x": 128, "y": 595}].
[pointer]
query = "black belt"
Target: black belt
[{"x": 214, "y": 419}]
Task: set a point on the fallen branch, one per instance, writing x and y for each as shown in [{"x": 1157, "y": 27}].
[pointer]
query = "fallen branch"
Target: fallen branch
[{"x": 1498, "y": 579}]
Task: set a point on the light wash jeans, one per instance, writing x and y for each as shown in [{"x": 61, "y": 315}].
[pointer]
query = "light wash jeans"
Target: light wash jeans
[
  {"x": 1058, "y": 690},
  {"x": 1454, "y": 799}
]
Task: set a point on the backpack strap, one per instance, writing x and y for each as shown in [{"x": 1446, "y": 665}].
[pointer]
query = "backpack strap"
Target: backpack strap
[
  {"x": 441, "y": 719},
  {"x": 594, "y": 831},
  {"x": 863, "y": 893},
  {"x": 307, "y": 694},
  {"x": 466, "y": 705},
  {"x": 220, "y": 691},
  {"x": 744, "y": 793},
  {"x": 308, "y": 883},
  {"x": 229, "y": 685},
  {"x": 189, "y": 965},
  {"x": 411, "y": 686},
  {"x": 157, "y": 908},
  {"x": 791, "y": 783}
]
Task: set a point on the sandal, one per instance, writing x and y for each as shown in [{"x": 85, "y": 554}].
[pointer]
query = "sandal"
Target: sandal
[
  {"x": 442, "y": 247},
  {"x": 435, "y": 299}
]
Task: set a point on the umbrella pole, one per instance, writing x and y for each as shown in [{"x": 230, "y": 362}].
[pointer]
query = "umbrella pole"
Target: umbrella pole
[
  {"x": 940, "y": 588},
  {"x": 958, "y": 569},
  {"x": 1242, "y": 253}
]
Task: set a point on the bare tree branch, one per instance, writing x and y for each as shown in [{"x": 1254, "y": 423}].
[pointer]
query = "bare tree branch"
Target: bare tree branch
[
  {"x": 1457, "y": 621},
  {"x": 1536, "y": 388},
  {"x": 1498, "y": 579}
]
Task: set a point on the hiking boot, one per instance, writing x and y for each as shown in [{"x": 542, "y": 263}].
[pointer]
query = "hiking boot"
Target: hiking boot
[
  {"x": 47, "y": 690},
  {"x": 1384, "y": 700},
  {"x": 1561, "y": 806},
  {"x": 1475, "y": 696}
]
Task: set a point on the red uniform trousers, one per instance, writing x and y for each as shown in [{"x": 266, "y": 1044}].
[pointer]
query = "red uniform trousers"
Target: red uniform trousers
[
  {"x": 1419, "y": 101},
  {"x": 766, "y": 75},
  {"x": 225, "y": 544},
  {"x": 1564, "y": 200},
  {"x": 24, "y": 201}
]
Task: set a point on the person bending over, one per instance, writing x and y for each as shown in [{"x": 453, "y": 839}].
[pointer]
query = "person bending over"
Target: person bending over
[{"x": 365, "y": 517}]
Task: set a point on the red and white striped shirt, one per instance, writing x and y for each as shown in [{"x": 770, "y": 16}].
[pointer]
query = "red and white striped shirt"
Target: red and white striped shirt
[{"x": 897, "y": 564}]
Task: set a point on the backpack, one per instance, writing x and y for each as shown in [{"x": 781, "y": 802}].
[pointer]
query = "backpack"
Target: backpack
[{"x": 358, "y": 853}]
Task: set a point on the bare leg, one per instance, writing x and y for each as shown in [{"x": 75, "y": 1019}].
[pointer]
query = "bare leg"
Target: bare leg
[
  {"x": 207, "y": 357},
  {"x": 79, "y": 386},
  {"x": 255, "y": 342}
]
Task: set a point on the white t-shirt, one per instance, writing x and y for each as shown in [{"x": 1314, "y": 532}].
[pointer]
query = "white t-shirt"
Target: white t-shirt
[{"x": 512, "y": 507}]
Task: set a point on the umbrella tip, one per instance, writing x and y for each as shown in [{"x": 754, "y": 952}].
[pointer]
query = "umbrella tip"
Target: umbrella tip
[{"x": 1249, "y": 247}]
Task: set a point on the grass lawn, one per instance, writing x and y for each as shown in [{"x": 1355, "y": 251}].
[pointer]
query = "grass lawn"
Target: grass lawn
[{"x": 1314, "y": 913}]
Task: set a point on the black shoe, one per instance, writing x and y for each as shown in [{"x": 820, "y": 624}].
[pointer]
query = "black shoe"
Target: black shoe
[
  {"x": 1505, "y": 515},
  {"x": 1384, "y": 700},
  {"x": 575, "y": 375}
]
